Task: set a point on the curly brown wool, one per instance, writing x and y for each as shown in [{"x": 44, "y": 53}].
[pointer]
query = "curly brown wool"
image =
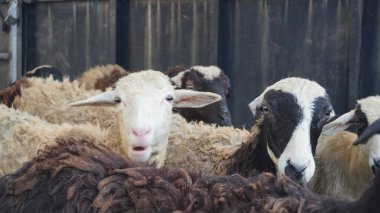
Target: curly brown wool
[
  {"x": 109, "y": 80},
  {"x": 8, "y": 95},
  {"x": 80, "y": 176}
]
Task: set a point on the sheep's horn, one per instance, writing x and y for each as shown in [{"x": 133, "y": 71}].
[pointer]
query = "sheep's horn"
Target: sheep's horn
[
  {"x": 101, "y": 99},
  {"x": 374, "y": 128}
]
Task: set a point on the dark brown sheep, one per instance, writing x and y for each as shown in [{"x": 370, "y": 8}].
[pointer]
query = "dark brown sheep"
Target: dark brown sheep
[
  {"x": 8, "y": 95},
  {"x": 79, "y": 176},
  {"x": 206, "y": 79}
]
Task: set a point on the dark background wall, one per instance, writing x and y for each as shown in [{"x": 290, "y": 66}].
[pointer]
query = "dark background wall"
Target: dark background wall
[{"x": 256, "y": 42}]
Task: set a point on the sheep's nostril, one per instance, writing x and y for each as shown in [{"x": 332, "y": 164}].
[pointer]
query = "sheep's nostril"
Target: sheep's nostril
[
  {"x": 223, "y": 115},
  {"x": 141, "y": 132},
  {"x": 376, "y": 167},
  {"x": 294, "y": 171}
]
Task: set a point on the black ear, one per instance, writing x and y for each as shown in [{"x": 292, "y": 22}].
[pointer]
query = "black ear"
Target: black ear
[{"x": 374, "y": 128}]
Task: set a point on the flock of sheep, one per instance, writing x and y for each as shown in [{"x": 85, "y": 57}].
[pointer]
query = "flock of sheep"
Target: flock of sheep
[{"x": 150, "y": 141}]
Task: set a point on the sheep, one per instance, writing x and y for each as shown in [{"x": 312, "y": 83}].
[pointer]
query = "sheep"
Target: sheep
[
  {"x": 340, "y": 163},
  {"x": 45, "y": 71},
  {"x": 283, "y": 139},
  {"x": 82, "y": 176},
  {"x": 143, "y": 111},
  {"x": 49, "y": 100},
  {"x": 207, "y": 79},
  {"x": 101, "y": 77},
  {"x": 22, "y": 134}
]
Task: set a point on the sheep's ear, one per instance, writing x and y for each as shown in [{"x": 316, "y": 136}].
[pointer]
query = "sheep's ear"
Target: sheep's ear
[
  {"x": 340, "y": 124},
  {"x": 255, "y": 104},
  {"x": 192, "y": 99},
  {"x": 374, "y": 128},
  {"x": 101, "y": 99}
]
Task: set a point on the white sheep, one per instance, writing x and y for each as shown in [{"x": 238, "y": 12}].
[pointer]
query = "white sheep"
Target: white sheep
[
  {"x": 339, "y": 162},
  {"x": 144, "y": 102}
]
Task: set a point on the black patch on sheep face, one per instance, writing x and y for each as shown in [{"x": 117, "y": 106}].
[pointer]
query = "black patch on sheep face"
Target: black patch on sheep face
[
  {"x": 361, "y": 121},
  {"x": 321, "y": 115},
  {"x": 281, "y": 119},
  {"x": 218, "y": 112},
  {"x": 280, "y": 115}
]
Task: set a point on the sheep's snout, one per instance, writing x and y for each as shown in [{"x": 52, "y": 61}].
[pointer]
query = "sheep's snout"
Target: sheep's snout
[
  {"x": 141, "y": 132},
  {"x": 294, "y": 171},
  {"x": 225, "y": 116}
]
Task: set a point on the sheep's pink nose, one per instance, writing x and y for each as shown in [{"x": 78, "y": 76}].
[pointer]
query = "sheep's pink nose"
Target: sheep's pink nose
[{"x": 141, "y": 132}]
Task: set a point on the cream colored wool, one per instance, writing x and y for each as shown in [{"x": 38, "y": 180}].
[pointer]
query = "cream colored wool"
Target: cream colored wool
[
  {"x": 22, "y": 135},
  {"x": 49, "y": 99},
  {"x": 346, "y": 162},
  {"x": 89, "y": 77},
  {"x": 199, "y": 146}
]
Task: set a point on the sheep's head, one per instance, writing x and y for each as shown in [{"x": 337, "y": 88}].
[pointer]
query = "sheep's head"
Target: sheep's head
[
  {"x": 294, "y": 111},
  {"x": 206, "y": 79},
  {"x": 366, "y": 112},
  {"x": 145, "y": 100}
]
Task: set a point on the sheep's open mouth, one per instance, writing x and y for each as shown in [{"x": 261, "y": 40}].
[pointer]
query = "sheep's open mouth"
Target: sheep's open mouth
[{"x": 138, "y": 148}]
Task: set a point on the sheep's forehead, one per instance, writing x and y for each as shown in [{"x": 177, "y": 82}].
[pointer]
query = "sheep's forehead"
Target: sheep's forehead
[
  {"x": 304, "y": 90},
  {"x": 144, "y": 82},
  {"x": 209, "y": 72},
  {"x": 370, "y": 107}
]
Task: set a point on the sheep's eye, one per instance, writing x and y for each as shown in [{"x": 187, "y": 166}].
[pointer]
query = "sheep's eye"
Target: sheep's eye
[
  {"x": 264, "y": 109},
  {"x": 117, "y": 99},
  {"x": 169, "y": 98},
  {"x": 328, "y": 113}
]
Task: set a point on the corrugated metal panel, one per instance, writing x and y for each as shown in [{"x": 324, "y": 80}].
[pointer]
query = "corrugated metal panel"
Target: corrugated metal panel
[
  {"x": 264, "y": 41},
  {"x": 71, "y": 35},
  {"x": 162, "y": 33}
]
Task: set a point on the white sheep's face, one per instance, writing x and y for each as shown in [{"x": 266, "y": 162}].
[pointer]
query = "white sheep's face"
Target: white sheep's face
[
  {"x": 145, "y": 100},
  {"x": 294, "y": 111},
  {"x": 146, "y": 110}
]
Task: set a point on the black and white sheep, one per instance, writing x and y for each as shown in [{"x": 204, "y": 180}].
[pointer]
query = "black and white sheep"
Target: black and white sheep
[
  {"x": 80, "y": 176},
  {"x": 142, "y": 118},
  {"x": 283, "y": 140},
  {"x": 339, "y": 162},
  {"x": 44, "y": 71},
  {"x": 206, "y": 79}
]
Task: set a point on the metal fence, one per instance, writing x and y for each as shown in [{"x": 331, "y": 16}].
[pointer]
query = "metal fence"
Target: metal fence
[{"x": 256, "y": 42}]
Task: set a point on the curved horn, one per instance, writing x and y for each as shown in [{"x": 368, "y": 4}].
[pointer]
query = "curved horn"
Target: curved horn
[
  {"x": 101, "y": 99},
  {"x": 374, "y": 128}
]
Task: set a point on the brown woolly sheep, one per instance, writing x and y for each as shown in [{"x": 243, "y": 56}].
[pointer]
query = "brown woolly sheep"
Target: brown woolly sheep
[
  {"x": 101, "y": 77},
  {"x": 80, "y": 176},
  {"x": 340, "y": 163},
  {"x": 206, "y": 79}
]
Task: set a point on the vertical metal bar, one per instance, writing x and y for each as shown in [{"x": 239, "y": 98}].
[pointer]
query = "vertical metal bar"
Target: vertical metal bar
[{"x": 13, "y": 42}]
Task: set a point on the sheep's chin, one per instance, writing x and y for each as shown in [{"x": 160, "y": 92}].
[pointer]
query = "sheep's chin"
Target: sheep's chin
[{"x": 140, "y": 156}]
